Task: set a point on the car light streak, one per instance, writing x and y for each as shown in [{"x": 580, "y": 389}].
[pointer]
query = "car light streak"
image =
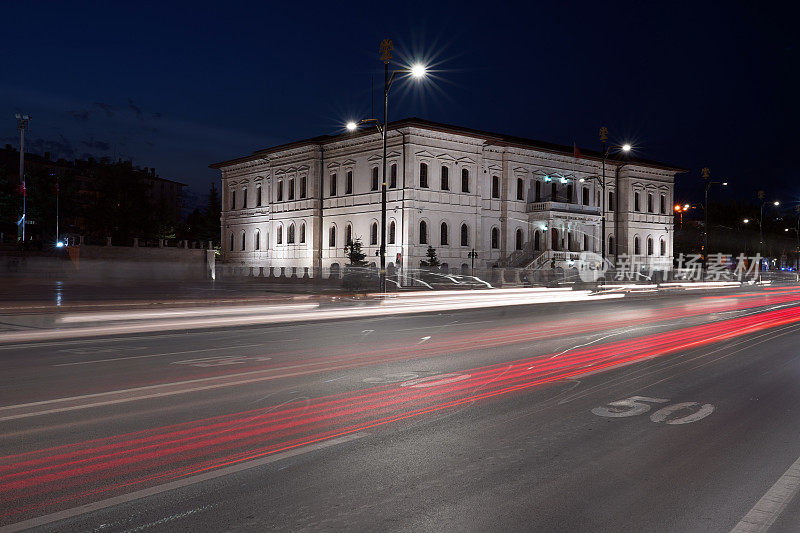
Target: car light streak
[{"x": 46, "y": 478}]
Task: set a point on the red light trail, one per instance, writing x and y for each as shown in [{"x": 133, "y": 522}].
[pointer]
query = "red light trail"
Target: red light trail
[{"x": 79, "y": 472}]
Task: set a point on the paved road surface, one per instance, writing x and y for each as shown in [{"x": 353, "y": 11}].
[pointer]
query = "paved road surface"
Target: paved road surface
[{"x": 478, "y": 420}]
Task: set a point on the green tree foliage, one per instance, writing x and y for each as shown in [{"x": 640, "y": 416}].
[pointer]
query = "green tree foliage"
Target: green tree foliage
[
  {"x": 432, "y": 260},
  {"x": 354, "y": 254}
]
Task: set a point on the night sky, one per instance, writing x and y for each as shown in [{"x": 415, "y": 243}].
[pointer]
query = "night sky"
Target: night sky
[{"x": 178, "y": 86}]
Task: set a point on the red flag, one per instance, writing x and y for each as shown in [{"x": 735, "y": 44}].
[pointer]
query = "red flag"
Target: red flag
[{"x": 575, "y": 152}]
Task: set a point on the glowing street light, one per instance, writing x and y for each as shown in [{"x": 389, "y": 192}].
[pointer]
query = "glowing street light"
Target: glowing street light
[
  {"x": 746, "y": 221},
  {"x": 417, "y": 71},
  {"x": 626, "y": 147},
  {"x": 776, "y": 203}
]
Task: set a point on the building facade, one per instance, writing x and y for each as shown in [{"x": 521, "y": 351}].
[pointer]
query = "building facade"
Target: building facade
[{"x": 514, "y": 202}]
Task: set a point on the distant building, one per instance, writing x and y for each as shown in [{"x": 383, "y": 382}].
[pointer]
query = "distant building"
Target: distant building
[
  {"x": 86, "y": 190},
  {"x": 517, "y": 202}
]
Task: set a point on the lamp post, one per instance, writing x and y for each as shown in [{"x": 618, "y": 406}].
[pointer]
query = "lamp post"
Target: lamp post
[
  {"x": 417, "y": 71},
  {"x": 706, "y": 173},
  {"x": 472, "y": 255},
  {"x": 22, "y": 124},
  {"x": 625, "y": 148},
  {"x": 761, "y": 228},
  {"x": 680, "y": 209}
]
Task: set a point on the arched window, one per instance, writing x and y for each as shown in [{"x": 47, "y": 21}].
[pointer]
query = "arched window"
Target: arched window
[
  {"x": 374, "y": 186},
  {"x": 348, "y": 234},
  {"x": 244, "y": 198},
  {"x": 555, "y": 241},
  {"x": 495, "y": 238},
  {"x": 244, "y": 241},
  {"x": 445, "y": 178},
  {"x": 348, "y": 183},
  {"x": 291, "y": 189},
  {"x": 464, "y": 180},
  {"x": 302, "y": 232},
  {"x": 393, "y": 176},
  {"x": 373, "y": 234},
  {"x": 258, "y": 196},
  {"x": 423, "y": 175},
  {"x": 332, "y": 237},
  {"x": 495, "y": 187},
  {"x": 636, "y": 248},
  {"x": 444, "y": 237},
  {"x": 663, "y": 247},
  {"x": 520, "y": 189},
  {"x": 279, "y": 235},
  {"x": 649, "y": 246},
  {"x": 464, "y": 235},
  {"x": 231, "y": 244},
  {"x": 290, "y": 234},
  {"x": 280, "y": 190},
  {"x": 537, "y": 241},
  {"x": 257, "y": 240},
  {"x": 391, "y": 232},
  {"x": 518, "y": 239},
  {"x": 423, "y": 232}
]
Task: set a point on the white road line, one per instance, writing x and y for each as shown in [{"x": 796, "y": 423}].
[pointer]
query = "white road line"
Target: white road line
[
  {"x": 152, "y": 491},
  {"x": 771, "y": 505},
  {"x": 157, "y": 355}
]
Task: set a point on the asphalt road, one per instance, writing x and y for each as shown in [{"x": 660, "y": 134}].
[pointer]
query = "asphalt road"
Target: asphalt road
[{"x": 480, "y": 420}]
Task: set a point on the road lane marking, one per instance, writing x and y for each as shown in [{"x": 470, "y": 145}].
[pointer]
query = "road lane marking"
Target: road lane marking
[
  {"x": 158, "y": 489},
  {"x": 156, "y": 355},
  {"x": 772, "y": 504}
]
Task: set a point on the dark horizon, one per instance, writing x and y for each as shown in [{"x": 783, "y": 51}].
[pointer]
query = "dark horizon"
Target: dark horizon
[{"x": 179, "y": 89}]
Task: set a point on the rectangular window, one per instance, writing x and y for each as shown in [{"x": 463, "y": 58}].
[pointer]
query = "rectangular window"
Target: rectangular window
[
  {"x": 464, "y": 180},
  {"x": 374, "y": 186},
  {"x": 393, "y": 177},
  {"x": 258, "y": 197},
  {"x": 348, "y": 182},
  {"x": 445, "y": 178},
  {"x": 636, "y": 202},
  {"x": 244, "y": 199},
  {"x": 280, "y": 191},
  {"x": 586, "y": 196},
  {"x": 333, "y": 185},
  {"x": 423, "y": 175},
  {"x": 291, "y": 189},
  {"x": 233, "y": 200},
  {"x": 520, "y": 189},
  {"x": 303, "y": 187},
  {"x": 663, "y": 205},
  {"x": 610, "y": 206},
  {"x": 649, "y": 203},
  {"x": 495, "y": 187}
]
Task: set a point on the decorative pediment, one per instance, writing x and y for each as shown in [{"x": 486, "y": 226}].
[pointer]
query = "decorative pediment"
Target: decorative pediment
[
  {"x": 465, "y": 161},
  {"x": 495, "y": 168},
  {"x": 374, "y": 158},
  {"x": 333, "y": 165},
  {"x": 280, "y": 172},
  {"x": 520, "y": 171},
  {"x": 349, "y": 163},
  {"x": 638, "y": 184},
  {"x": 446, "y": 158},
  {"x": 424, "y": 154},
  {"x": 258, "y": 179},
  {"x": 393, "y": 153}
]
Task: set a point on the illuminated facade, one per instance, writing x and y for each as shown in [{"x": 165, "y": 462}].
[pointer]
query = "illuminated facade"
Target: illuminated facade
[{"x": 516, "y": 202}]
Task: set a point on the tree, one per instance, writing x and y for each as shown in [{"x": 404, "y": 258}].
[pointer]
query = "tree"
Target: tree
[
  {"x": 432, "y": 261},
  {"x": 353, "y": 252}
]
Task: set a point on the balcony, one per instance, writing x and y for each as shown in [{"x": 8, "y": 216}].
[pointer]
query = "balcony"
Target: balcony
[{"x": 562, "y": 207}]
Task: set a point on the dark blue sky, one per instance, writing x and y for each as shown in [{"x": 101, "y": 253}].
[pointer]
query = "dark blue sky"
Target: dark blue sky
[{"x": 177, "y": 86}]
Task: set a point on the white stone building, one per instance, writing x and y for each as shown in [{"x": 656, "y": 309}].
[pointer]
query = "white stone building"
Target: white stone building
[{"x": 516, "y": 202}]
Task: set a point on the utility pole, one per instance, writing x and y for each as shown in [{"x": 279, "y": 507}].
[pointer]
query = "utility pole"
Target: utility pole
[
  {"x": 386, "y": 56},
  {"x": 603, "y": 141},
  {"x": 22, "y": 124}
]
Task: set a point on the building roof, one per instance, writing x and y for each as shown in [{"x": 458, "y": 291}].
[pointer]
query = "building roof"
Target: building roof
[{"x": 494, "y": 139}]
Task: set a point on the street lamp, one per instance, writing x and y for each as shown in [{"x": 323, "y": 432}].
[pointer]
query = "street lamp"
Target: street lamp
[
  {"x": 625, "y": 148},
  {"x": 776, "y": 203},
  {"x": 472, "y": 255},
  {"x": 417, "y": 71},
  {"x": 707, "y": 178},
  {"x": 680, "y": 209}
]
